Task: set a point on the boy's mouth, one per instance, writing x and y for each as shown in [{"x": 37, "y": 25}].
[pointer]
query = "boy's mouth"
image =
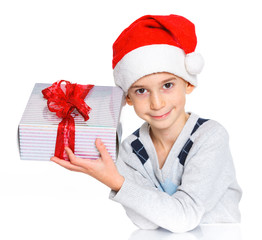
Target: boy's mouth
[{"x": 161, "y": 116}]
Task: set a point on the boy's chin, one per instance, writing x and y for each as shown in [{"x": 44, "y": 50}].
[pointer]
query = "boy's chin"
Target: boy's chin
[{"x": 160, "y": 125}]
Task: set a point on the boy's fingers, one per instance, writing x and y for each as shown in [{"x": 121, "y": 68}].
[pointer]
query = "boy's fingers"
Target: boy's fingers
[
  {"x": 84, "y": 163},
  {"x": 66, "y": 164},
  {"x": 70, "y": 154},
  {"x": 102, "y": 149}
]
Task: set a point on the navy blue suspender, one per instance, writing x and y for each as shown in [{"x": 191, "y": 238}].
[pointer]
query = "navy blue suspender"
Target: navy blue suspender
[
  {"x": 186, "y": 148},
  {"x": 139, "y": 150}
]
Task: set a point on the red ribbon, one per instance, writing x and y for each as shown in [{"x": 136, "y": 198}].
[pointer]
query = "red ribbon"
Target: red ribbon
[{"x": 63, "y": 104}]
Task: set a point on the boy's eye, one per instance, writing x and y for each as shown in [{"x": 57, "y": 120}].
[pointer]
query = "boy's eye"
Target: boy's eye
[
  {"x": 168, "y": 85},
  {"x": 141, "y": 91}
]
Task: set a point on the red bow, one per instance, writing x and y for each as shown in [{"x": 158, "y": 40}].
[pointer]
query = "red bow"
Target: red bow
[{"x": 63, "y": 103}]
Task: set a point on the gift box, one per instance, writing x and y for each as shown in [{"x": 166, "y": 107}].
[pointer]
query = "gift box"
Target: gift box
[{"x": 37, "y": 131}]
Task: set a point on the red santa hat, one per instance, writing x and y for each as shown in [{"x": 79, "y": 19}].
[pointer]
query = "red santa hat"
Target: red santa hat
[{"x": 154, "y": 44}]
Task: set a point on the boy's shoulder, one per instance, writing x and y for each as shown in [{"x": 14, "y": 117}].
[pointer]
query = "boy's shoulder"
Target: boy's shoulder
[
  {"x": 211, "y": 130},
  {"x": 136, "y": 134}
]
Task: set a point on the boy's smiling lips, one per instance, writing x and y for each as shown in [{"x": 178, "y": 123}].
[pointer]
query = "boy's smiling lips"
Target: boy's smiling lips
[{"x": 161, "y": 116}]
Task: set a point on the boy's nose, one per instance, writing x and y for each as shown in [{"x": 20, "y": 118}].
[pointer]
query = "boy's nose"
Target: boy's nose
[{"x": 156, "y": 101}]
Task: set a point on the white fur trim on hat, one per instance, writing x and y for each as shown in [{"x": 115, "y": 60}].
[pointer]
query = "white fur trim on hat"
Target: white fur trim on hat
[{"x": 152, "y": 59}]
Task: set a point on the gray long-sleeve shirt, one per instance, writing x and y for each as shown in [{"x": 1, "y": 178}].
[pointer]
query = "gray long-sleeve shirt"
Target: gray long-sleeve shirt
[{"x": 197, "y": 184}]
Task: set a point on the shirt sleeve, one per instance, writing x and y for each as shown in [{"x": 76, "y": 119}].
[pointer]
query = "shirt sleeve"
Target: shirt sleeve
[
  {"x": 210, "y": 171},
  {"x": 132, "y": 178},
  {"x": 206, "y": 177}
]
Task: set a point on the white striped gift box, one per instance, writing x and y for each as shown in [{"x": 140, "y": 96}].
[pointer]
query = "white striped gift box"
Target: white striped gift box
[{"x": 38, "y": 127}]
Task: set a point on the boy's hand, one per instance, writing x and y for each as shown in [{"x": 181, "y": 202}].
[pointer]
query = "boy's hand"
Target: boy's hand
[{"x": 103, "y": 168}]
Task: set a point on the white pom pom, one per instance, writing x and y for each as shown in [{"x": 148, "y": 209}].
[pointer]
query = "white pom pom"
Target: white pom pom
[{"x": 194, "y": 63}]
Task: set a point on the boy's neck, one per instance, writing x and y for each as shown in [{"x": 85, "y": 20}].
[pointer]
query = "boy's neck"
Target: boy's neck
[{"x": 167, "y": 137}]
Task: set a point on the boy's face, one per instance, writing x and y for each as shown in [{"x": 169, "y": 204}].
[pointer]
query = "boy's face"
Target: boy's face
[{"x": 159, "y": 99}]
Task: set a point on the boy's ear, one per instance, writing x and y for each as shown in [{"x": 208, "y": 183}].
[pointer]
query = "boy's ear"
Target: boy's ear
[
  {"x": 128, "y": 100},
  {"x": 189, "y": 88}
]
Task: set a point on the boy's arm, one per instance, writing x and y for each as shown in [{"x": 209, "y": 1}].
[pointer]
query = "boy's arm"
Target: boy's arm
[
  {"x": 135, "y": 177},
  {"x": 105, "y": 171},
  {"x": 139, "y": 220},
  {"x": 206, "y": 178}
]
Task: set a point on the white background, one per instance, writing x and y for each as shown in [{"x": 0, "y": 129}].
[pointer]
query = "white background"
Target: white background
[{"x": 45, "y": 41}]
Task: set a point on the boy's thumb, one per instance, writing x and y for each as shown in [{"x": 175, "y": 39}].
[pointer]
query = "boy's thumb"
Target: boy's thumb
[{"x": 102, "y": 149}]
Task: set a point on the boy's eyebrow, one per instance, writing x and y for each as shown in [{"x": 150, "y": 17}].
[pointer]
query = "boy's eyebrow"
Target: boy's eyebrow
[
  {"x": 137, "y": 86},
  {"x": 162, "y": 82},
  {"x": 169, "y": 79}
]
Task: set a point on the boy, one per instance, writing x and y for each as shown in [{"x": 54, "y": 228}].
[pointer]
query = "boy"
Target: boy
[{"x": 176, "y": 171}]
